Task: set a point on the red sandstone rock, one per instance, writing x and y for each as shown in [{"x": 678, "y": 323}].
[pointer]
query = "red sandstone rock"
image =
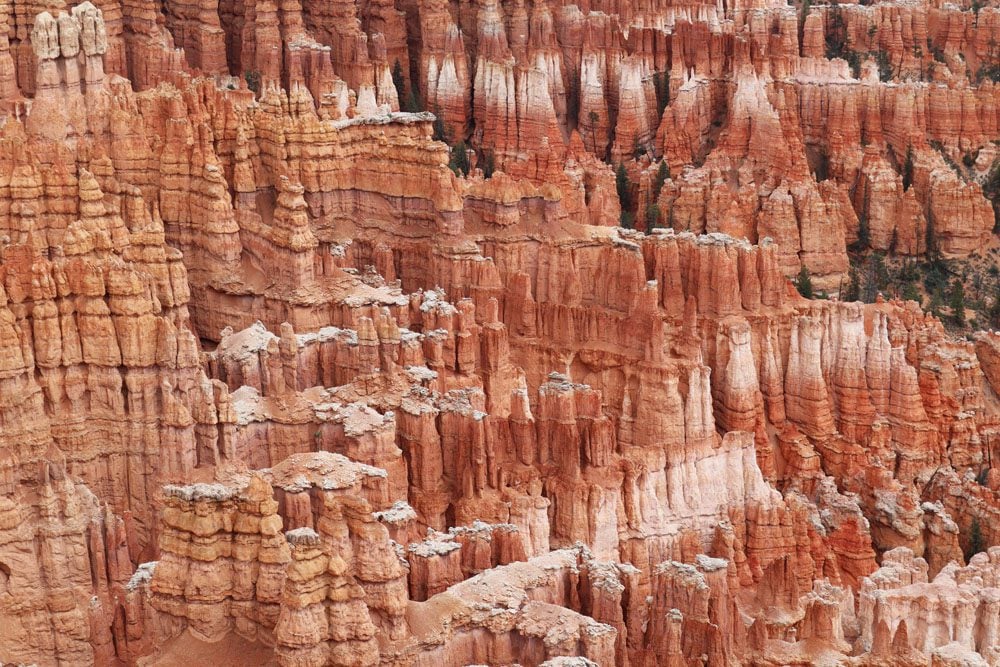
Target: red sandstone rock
[
  {"x": 272, "y": 376},
  {"x": 960, "y": 595}
]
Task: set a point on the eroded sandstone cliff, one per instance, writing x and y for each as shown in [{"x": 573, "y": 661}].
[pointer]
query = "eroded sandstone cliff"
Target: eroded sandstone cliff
[{"x": 321, "y": 342}]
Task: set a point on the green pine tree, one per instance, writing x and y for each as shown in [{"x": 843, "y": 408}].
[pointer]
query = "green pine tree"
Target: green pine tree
[
  {"x": 908, "y": 168},
  {"x": 653, "y": 216},
  {"x": 459, "y": 161},
  {"x": 398, "y": 80},
  {"x": 991, "y": 190},
  {"x": 957, "y": 303},
  {"x": 253, "y": 80},
  {"x": 976, "y": 543},
  {"x": 662, "y": 174},
  {"x": 885, "y": 69},
  {"x": 624, "y": 188},
  {"x": 804, "y": 283},
  {"x": 593, "y": 117},
  {"x": 661, "y": 83},
  {"x": 930, "y": 240},
  {"x": 994, "y": 314},
  {"x": 488, "y": 164},
  {"x": 853, "y": 292},
  {"x": 412, "y": 103},
  {"x": 908, "y": 292},
  {"x": 806, "y": 6},
  {"x": 864, "y": 235},
  {"x": 439, "y": 129},
  {"x": 835, "y": 34}
]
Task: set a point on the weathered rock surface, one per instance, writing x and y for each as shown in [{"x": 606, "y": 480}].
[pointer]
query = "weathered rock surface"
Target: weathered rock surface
[
  {"x": 274, "y": 379},
  {"x": 955, "y": 613}
]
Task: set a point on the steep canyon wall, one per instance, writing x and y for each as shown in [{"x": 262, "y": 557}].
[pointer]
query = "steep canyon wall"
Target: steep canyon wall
[{"x": 323, "y": 344}]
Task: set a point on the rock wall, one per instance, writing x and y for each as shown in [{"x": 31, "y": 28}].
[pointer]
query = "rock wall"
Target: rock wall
[{"x": 280, "y": 376}]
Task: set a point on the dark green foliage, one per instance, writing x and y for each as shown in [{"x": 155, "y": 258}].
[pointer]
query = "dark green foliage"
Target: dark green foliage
[
  {"x": 661, "y": 83},
  {"x": 624, "y": 188},
  {"x": 874, "y": 277},
  {"x": 939, "y": 147},
  {"x": 907, "y": 278},
  {"x": 837, "y": 47},
  {"x": 806, "y": 5},
  {"x": 936, "y": 51},
  {"x": 969, "y": 159},
  {"x": 976, "y": 543},
  {"x": 872, "y": 274},
  {"x": 957, "y": 302},
  {"x": 864, "y": 235},
  {"x": 908, "y": 169},
  {"x": 398, "y": 80},
  {"x": 412, "y": 103},
  {"x": 853, "y": 59},
  {"x": 953, "y": 288},
  {"x": 935, "y": 278},
  {"x": 572, "y": 100},
  {"x": 909, "y": 271},
  {"x": 459, "y": 161},
  {"x": 934, "y": 308},
  {"x": 991, "y": 189},
  {"x": 487, "y": 164},
  {"x": 653, "y": 216},
  {"x": 822, "y": 166},
  {"x": 592, "y": 118},
  {"x": 803, "y": 283},
  {"x": 627, "y": 220},
  {"x": 930, "y": 242},
  {"x": 853, "y": 291},
  {"x": 982, "y": 290},
  {"x": 836, "y": 34},
  {"x": 440, "y": 130},
  {"x": 909, "y": 292},
  {"x": 253, "y": 80},
  {"x": 662, "y": 174},
  {"x": 884, "y": 65},
  {"x": 974, "y": 296},
  {"x": 638, "y": 150}
]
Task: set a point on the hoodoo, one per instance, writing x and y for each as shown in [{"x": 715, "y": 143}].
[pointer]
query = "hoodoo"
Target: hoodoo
[{"x": 499, "y": 333}]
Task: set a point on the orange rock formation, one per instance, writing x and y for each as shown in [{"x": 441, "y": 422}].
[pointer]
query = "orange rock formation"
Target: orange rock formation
[{"x": 278, "y": 386}]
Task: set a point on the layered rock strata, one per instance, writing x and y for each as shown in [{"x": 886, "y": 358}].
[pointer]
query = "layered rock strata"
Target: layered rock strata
[{"x": 275, "y": 379}]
